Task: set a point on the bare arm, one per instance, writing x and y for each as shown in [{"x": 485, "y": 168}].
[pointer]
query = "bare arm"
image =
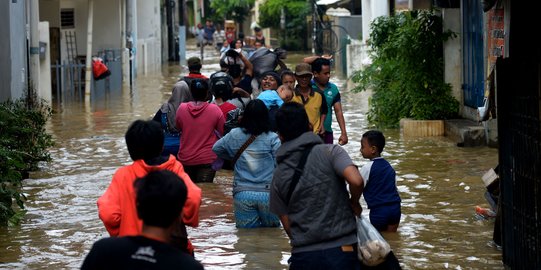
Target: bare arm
[
  {"x": 341, "y": 122},
  {"x": 285, "y": 223},
  {"x": 249, "y": 68},
  {"x": 241, "y": 92},
  {"x": 310, "y": 59},
  {"x": 356, "y": 186},
  {"x": 321, "y": 129}
]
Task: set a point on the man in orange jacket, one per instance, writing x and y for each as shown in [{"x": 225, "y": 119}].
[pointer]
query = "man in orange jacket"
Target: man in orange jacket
[{"x": 116, "y": 206}]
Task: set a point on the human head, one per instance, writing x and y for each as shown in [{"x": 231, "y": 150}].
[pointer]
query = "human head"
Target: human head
[
  {"x": 199, "y": 89},
  {"x": 194, "y": 64},
  {"x": 144, "y": 139},
  {"x": 303, "y": 74},
  {"x": 285, "y": 92},
  {"x": 321, "y": 69},
  {"x": 257, "y": 29},
  {"x": 223, "y": 65},
  {"x": 372, "y": 143},
  {"x": 255, "y": 118},
  {"x": 221, "y": 85},
  {"x": 238, "y": 43},
  {"x": 292, "y": 121},
  {"x": 160, "y": 197},
  {"x": 257, "y": 44},
  {"x": 269, "y": 80},
  {"x": 288, "y": 78}
]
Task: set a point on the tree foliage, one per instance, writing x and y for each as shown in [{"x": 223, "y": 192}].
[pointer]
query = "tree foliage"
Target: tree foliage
[
  {"x": 407, "y": 70},
  {"x": 296, "y": 12},
  {"x": 236, "y": 10},
  {"x": 23, "y": 143}
]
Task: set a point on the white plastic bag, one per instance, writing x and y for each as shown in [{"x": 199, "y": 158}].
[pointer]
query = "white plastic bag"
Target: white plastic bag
[{"x": 372, "y": 247}]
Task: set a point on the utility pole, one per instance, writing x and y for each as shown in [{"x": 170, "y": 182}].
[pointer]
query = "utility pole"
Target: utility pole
[
  {"x": 183, "y": 21},
  {"x": 131, "y": 36},
  {"x": 88, "y": 73},
  {"x": 34, "y": 46}
]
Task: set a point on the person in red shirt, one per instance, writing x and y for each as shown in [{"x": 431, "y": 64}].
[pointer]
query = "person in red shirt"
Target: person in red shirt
[{"x": 117, "y": 208}]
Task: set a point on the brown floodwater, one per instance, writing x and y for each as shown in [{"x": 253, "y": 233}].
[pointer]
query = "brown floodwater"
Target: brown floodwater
[{"x": 440, "y": 185}]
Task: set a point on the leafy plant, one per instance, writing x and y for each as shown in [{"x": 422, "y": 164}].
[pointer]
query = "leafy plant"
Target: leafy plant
[
  {"x": 407, "y": 71},
  {"x": 23, "y": 143},
  {"x": 295, "y": 12},
  {"x": 236, "y": 10}
]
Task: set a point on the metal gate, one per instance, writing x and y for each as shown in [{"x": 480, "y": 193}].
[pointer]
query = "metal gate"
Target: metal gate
[
  {"x": 473, "y": 53},
  {"x": 519, "y": 130}
]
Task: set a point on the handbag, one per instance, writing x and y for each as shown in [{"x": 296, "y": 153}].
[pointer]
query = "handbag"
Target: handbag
[{"x": 372, "y": 247}]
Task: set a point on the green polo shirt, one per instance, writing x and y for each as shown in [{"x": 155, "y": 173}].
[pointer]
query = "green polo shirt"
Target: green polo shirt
[{"x": 332, "y": 95}]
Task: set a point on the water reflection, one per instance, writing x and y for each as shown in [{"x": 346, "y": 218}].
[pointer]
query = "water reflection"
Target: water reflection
[{"x": 439, "y": 183}]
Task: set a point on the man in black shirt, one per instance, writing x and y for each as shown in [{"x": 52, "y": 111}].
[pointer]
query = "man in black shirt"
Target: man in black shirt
[{"x": 160, "y": 197}]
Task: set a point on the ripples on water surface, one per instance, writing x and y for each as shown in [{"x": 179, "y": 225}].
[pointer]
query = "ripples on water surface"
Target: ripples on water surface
[{"x": 439, "y": 184}]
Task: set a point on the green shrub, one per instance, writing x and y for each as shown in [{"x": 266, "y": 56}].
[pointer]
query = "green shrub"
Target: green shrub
[
  {"x": 23, "y": 143},
  {"x": 407, "y": 71}
]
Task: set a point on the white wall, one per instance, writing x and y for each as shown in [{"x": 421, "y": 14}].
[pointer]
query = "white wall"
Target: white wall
[
  {"x": 371, "y": 10},
  {"x": 50, "y": 11},
  {"x": 452, "y": 53},
  {"x": 44, "y": 90},
  {"x": 148, "y": 36},
  {"x": 106, "y": 29}
]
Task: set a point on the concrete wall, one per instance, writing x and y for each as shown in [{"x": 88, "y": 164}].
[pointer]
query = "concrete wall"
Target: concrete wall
[
  {"x": 106, "y": 25},
  {"x": 452, "y": 53},
  {"x": 13, "y": 71},
  {"x": 44, "y": 90},
  {"x": 50, "y": 11},
  {"x": 148, "y": 36}
]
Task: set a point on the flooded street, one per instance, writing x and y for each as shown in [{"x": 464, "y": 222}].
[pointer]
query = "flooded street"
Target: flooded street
[{"x": 440, "y": 185}]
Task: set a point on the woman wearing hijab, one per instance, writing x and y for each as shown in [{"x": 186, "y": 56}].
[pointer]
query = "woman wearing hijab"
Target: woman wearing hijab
[{"x": 166, "y": 116}]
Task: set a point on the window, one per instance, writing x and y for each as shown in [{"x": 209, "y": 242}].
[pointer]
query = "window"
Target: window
[{"x": 67, "y": 18}]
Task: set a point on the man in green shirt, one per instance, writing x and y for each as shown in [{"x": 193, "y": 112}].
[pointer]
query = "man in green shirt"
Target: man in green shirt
[{"x": 321, "y": 69}]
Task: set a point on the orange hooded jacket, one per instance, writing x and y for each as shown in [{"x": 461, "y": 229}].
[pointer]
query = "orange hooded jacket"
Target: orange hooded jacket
[{"x": 116, "y": 207}]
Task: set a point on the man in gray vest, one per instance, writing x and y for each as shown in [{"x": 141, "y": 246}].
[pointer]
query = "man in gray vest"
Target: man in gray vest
[{"x": 309, "y": 193}]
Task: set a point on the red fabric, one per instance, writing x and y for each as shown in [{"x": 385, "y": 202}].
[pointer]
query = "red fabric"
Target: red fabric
[
  {"x": 98, "y": 68},
  {"x": 116, "y": 207},
  {"x": 196, "y": 76},
  {"x": 226, "y": 107}
]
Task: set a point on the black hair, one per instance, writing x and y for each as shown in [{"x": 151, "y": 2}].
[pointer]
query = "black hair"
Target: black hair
[
  {"x": 270, "y": 73},
  {"x": 319, "y": 62},
  {"x": 199, "y": 89},
  {"x": 144, "y": 139},
  {"x": 234, "y": 70},
  {"x": 375, "y": 138},
  {"x": 292, "y": 121},
  {"x": 160, "y": 197},
  {"x": 195, "y": 68},
  {"x": 286, "y": 72},
  {"x": 255, "y": 119}
]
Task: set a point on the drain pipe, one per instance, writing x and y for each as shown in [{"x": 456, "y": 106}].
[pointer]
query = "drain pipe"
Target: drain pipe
[{"x": 89, "y": 47}]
